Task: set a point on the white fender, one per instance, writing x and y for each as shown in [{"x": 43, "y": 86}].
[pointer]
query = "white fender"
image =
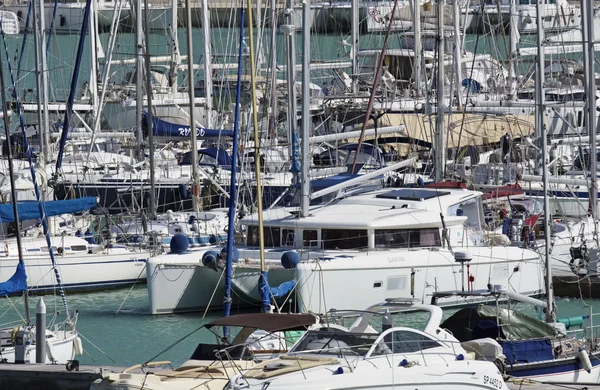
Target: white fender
[
  {"x": 77, "y": 346},
  {"x": 584, "y": 358},
  {"x": 50, "y": 351}
]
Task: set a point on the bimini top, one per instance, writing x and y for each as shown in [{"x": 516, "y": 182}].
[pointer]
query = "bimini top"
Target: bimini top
[{"x": 271, "y": 322}]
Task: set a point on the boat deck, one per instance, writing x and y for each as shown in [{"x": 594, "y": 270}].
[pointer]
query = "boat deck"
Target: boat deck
[{"x": 48, "y": 377}]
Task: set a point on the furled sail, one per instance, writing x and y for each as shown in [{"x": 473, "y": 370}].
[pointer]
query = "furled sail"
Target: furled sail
[
  {"x": 31, "y": 210},
  {"x": 16, "y": 283}
]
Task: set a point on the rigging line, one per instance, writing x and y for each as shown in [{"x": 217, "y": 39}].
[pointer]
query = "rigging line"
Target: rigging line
[
  {"x": 130, "y": 290},
  {"x": 374, "y": 88},
  {"x": 25, "y": 31},
  {"x": 464, "y": 108},
  {"x": 38, "y": 196}
]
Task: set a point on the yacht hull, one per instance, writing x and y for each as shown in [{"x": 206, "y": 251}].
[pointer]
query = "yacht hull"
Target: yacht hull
[
  {"x": 323, "y": 285},
  {"x": 79, "y": 273}
]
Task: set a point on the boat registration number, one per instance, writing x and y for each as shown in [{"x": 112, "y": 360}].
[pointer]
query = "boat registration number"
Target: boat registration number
[{"x": 492, "y": 382}]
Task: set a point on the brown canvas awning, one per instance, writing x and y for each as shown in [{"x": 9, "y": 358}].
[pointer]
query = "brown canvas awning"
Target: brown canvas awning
[{"x": 271, "y": 322}]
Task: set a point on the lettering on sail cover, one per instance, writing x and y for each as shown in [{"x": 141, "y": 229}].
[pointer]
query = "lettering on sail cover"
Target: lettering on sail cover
[{"x": 185, "y": 131}]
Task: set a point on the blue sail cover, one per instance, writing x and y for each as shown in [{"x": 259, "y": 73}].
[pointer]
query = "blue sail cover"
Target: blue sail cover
[
  {"x": 16, "y": 283},
  {"x": 162, "y": 128},
  {"x": 31, "y": 210}
]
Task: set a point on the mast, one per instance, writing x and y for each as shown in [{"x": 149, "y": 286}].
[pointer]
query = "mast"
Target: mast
[
  {"x": 232, "y": 191},
  {"x": 440, "y": 142},
  {"x": 139, "y": 79},
  {"x": 587, "y": 9},
  {"x": 13, "y": 191},
  {"x": 29, "y": 154},
  {"x": 306, "y": 120},
  {"x": 514, "y": 40},
  {"x": 417, "y": 31},
  {"x": 274, "y": 108},
  {"x": 207, "y": 75},
  {"x": 354, "y": 46},
  {"x": 45, "y": 123},
  {"x": 457, "y": 54},
  {"x": 292, "y": 99},
  {"x": 208, "y": 87},
  {"x": 152, "y": 205},
  {"x": 74, "y": 79},
  {"x": 262, "y": 283},
  {"x": 542, "y": 132}
]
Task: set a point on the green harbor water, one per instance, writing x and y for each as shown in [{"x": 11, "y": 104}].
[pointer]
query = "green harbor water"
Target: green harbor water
[{"x": 117, "y": 329}]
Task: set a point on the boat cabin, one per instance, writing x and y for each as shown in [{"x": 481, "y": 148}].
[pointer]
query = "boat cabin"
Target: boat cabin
[{"x": 384, "y": 219}]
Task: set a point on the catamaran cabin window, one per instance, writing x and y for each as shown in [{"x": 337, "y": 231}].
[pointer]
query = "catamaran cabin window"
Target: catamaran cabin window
[
  {"x": 344, "y": 239},
  {"x": 270, "y": 235},
  {"x": 395, "y": 238},
  {"x": 472, "y": 209},
  {"x": 310, "y": 238},
  {"x": 287, "y": 236}
]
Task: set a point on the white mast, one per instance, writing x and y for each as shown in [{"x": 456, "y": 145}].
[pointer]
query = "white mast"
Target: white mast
[
  {"x": 542, "y": 133},
  {"x": 306, "y": 119},
  {"x": 292, "y": 116},
  {"x": 354, "y": 46},
  {"x": 417, "y": 31},
  {"x": 45, "y": 125},
  {"x": 207, "y": 75},
  {"x": 208, "y": 87},
  {"x": 457, "y": 55},
  {"x": 139, "y": 79},
  {"x": 514, "y": 40},
  {"x": 587, "y": 10},
  {"x": 440, "y": 143}
]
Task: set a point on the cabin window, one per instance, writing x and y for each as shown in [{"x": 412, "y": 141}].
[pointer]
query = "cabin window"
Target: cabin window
[
  {"x": 45, "y": 249},
  {"x": 79, "y": 247},
  {"x": 415, "y": 238},
  {"x": 472, "y": 209},
  {"x": 405, "y": 341},
  {"x": 270, "y": 235},
  {"x": 310, "y": 238},
  {"x": 344, "y": 239},
  {"x": 287, "y": 236}
]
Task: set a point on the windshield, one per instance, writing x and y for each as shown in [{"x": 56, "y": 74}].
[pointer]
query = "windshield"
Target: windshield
[{"x": 335, "y": 342}]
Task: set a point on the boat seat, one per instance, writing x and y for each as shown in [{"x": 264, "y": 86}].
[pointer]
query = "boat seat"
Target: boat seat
[{"x": 286, "y": 364}]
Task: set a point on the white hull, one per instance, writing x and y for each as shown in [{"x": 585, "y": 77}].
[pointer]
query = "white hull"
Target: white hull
[
  {"x": 180, "y": 283},
  {"x": 69, "y": 16},
  {"x": 556, "y": 18},
  {"x": 59, "y": 346},
  {"x": 362, "y": 280},
  {"x": 112, "y": 267}
]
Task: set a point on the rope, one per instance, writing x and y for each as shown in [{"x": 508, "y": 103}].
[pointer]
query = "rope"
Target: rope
[{"x": 34, "y": 179}]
